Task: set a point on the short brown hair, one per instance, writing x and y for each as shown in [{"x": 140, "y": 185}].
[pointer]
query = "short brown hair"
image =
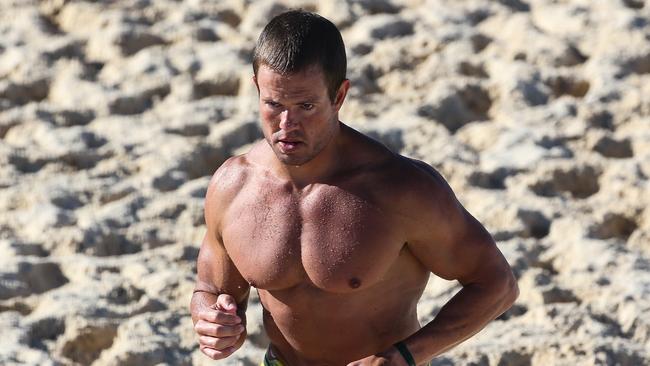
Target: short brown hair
[{"x": 296, "y": 40}]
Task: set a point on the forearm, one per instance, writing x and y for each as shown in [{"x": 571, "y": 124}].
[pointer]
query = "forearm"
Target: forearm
[
  {"x": 471, "y": 309},
  {"x": 201, "y": 299}
]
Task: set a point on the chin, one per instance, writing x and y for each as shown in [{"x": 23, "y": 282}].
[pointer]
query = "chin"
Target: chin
[{"x": 292, "y": 160}]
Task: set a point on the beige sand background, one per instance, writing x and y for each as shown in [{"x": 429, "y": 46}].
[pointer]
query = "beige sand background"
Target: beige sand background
[{"x": 113, "y": 116}]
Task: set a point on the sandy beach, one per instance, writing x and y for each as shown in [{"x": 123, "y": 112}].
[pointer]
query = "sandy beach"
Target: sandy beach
[{"x": 114, "y": 115}]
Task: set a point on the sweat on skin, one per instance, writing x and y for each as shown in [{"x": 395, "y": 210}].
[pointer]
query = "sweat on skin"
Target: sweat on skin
[{"x": 339, "y": 236}]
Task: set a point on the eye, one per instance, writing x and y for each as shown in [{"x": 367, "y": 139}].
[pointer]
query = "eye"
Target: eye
[
  {"x": 272, "y": 104},
  {"x": 307, "y": 106}
]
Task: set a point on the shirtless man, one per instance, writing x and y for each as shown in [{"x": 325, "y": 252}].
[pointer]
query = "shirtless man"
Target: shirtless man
[{"x": 338, "y": 234}]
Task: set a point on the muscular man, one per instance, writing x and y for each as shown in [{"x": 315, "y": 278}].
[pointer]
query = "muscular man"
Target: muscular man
[{"x": 338, "y": 234}]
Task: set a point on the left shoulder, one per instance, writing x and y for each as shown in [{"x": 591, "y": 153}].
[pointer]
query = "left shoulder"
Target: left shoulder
[
  {"x": 404, "y": 185},
  {"x": 417, "y": 188}
]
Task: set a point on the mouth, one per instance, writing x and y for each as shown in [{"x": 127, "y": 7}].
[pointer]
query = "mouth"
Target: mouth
[{"x": 289, "y": 145}]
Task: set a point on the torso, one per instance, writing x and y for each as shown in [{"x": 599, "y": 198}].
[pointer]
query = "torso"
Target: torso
[
  {"x": 329, "y": 262},
  {"x": 329, "y": 236}
]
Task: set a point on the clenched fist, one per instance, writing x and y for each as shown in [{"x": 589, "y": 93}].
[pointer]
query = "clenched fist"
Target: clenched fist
[{"x": 221, "y": 331}]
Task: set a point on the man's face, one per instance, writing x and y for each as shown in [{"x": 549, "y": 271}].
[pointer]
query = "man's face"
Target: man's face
[{"x": 298, "y": 118}]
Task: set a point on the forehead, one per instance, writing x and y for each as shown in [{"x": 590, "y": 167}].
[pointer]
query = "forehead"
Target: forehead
[{"x": 308, "y": 82}]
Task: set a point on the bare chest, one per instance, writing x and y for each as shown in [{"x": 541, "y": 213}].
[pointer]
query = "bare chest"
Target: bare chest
[{"x": 329, "y": 238}]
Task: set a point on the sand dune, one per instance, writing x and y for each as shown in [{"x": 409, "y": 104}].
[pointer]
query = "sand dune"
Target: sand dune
[{"x": 113, "y": 116}]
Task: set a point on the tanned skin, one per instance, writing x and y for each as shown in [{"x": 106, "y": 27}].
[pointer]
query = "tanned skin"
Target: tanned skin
[{"x": 339, "y": 236}]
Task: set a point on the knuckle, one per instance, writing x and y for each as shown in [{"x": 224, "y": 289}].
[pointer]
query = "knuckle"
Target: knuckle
[
  {"x": 213, "y": 354},
  {"x": 221, "y": 317},
  {"x": 207, "y": 341},
  {"x": 212, "y": 317},
  {"x": 205, "y": 315},
  {"x": 214, "y": 342},
  {"x": 198, "y": 326},
  {"x": 229, "y": 342},
  {"x": 219, "y": 330}
]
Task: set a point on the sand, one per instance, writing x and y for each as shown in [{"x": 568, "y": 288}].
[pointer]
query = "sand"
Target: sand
[{"x": 113, "y": 116}]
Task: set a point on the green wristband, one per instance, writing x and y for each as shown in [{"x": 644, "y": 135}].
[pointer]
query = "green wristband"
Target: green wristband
[{"x": 401, "y": 347}]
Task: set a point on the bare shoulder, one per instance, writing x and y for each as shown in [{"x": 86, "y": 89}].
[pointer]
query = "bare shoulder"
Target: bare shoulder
[
  {"x": 425, "y": 185},
  {"x": 226, "y": 183},
  {"x": 438, "y": 229},
  {"x": 402, "y": 184},
  {"x": 416, "y": 189},
  {"x": 225, "y": 180}
]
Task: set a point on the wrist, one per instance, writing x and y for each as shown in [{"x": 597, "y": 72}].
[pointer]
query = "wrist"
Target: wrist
[
  {"x": 395, "y": 358},
  {"x": 203, "y": 298},
  {"x": 404, "y": 354}
]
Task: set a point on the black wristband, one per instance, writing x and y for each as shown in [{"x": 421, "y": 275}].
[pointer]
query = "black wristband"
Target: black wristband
[{"x": 404, "y": 351}]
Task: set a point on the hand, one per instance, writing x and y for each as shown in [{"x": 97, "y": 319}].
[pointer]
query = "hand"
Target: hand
[
  {"x": 219, "y": 328},
  {"x": 391, "y": 357}
]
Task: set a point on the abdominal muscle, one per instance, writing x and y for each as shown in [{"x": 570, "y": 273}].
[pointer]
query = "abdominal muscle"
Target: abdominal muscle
[{"x": 308, "y": 325}]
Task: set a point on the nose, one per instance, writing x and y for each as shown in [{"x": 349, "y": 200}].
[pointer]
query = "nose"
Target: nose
[{"x": 288, "y": 121}]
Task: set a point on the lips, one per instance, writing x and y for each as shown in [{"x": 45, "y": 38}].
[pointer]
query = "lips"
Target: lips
[
  {"x": 288, "y": 143},
  {"x": 288, "y": 146}
]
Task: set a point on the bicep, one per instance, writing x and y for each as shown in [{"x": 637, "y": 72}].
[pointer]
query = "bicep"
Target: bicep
[
  {"x": 215, "y": 270},
  {"x": 450, "y": 242},
  {"x": 216, "y": 273}
]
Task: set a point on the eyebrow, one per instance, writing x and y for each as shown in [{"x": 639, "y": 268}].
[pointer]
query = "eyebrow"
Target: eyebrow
[{"x": 310, "y": 100}]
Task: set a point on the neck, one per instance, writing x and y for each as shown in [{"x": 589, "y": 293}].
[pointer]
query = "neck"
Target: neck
[{"x": 322, "y": 166}]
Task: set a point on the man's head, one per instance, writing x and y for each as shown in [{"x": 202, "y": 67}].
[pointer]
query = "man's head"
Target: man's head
[
  {"x": 296, "y": 40},
  {"x": 299, "y": 67}
]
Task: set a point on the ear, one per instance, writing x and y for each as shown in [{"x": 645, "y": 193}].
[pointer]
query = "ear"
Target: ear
[
  {"x": 255, "y": 82},
  {"x": 341, "y": 94}
]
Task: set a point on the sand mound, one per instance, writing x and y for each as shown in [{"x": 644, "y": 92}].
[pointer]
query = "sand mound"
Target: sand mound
[{"x": 113, "y": 116}]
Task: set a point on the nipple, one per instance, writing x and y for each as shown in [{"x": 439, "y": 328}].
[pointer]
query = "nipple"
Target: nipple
[{"x": 354, "y": 282}]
